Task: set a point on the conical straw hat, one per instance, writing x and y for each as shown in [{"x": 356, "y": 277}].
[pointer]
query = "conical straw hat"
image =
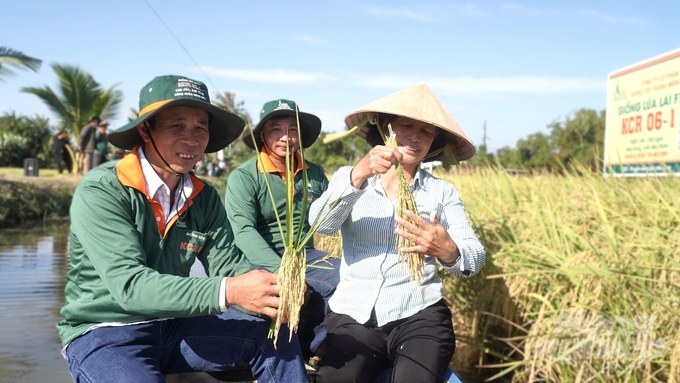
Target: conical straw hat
[{"x": 419, "y": 103}]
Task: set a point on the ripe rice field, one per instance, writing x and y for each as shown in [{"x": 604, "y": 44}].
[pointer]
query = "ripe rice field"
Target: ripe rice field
[{"x": 581, "y": 283}]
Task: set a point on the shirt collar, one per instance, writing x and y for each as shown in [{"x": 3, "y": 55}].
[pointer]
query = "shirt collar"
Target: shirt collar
[
  {"x": 153, "y": 180},
  {"x": 130, "y": 174},
  {"x": 267, "y": 166}
]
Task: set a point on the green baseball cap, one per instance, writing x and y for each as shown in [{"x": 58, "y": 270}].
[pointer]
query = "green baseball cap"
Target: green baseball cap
[
  {"x": 310, "y": 125},
  {"x": 165, "y": 91}
]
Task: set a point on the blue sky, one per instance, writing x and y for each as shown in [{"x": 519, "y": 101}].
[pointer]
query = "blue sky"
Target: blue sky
[{"x": 517, "y": 66}]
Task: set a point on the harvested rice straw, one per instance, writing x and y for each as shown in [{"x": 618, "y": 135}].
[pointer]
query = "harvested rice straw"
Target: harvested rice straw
[
  {"x": 405, "y": 201},
  {"x": 291, "y": 277},
  {"x": 291, "y": 291}
]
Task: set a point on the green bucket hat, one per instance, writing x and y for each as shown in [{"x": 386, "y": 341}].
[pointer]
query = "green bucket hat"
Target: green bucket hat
[
  {"x": 310, "y": 125},
  {"x": 165, "y": 91}
]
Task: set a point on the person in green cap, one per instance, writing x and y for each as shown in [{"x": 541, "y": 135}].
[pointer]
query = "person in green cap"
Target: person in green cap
[
  {"x": 133, "y": 313},
  {"x": 254, "y": 219}
]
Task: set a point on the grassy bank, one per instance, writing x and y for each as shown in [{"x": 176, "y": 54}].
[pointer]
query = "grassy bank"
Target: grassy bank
[
  {"x": 31, "y": 200},
  {"x": 28, "y": 200}
]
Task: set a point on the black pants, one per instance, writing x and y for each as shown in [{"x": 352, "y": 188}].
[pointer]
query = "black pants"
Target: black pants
[
  {"x": 62, "y": 155},
  {"x": 419, "y": 348}
]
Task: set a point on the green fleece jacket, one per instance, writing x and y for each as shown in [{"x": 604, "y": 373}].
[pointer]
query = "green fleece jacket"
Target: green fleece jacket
[
  {"x": 252, "y": 216},
  {"x": 128, "y": 266}
]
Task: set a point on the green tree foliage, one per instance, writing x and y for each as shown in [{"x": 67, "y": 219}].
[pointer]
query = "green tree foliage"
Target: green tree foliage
[
  {"x": 536, "y": 151},
  {"x": 580, "y": 138},
  {"x": 331, "y": 156},
  {"x": 11, "y": 58},
  {"x": 22, "y": 137},
  {"x": 78, "y": 97},
  {"x": 508, "y": 157},
  {"x": 482, "y": 157},
  {"x": 227, "y": 100}
]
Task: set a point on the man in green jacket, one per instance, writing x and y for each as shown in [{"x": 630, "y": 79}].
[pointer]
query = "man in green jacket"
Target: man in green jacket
[
  {"x": 132, "y": 312},
  {"x": 254, "y": 218}
]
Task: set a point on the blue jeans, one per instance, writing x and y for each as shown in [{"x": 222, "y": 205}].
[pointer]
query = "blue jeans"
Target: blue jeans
[
  {"x": 311, "y": 331},
  {"x": 145, "y": 352}
]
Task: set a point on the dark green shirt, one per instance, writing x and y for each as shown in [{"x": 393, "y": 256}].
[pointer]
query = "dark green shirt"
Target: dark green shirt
[
  {"x": 252, "y": 216},
  {"x": 101, "y": 145},
  {"x": 128, "y": 266}
]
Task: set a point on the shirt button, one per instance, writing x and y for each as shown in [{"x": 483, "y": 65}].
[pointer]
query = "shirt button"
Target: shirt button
[{"x": 158, "y": 219}]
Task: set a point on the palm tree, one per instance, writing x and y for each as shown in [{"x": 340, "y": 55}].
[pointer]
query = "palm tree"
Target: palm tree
[
  {"x": 227, "y": 100},
  {"x": 236, "y": 151},
  {"x": 10, "y": 57},
  {"x": 78, "y": 97}
]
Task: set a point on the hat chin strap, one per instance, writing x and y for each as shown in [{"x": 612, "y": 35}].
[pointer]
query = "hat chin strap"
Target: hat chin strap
[
  {"x": 153, "y": 143},
  {"x": 450, "y": 156},
  {"x": 177, "y": 174}
]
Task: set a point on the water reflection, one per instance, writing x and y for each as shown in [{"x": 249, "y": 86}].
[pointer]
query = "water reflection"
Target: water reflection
[{"x": 33, "y": 266}]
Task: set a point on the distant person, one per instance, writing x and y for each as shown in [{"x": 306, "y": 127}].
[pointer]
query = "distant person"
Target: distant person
[
  {"x": 221, "y": 168},
  {"x": 101, "y": 144},
  {"x": 254, "y": 218},
  {"x": 217, "y": 168},
  {"x": 200, "y": 168},
  {"x": 380, "y": 316},
  {"x": 85, "y": 142},
  {"x": 119, "y": 153},
  {"x": 210, "y": 166},
  {"x": 133, "y": 313},
  {"x": 62, "y": 156}
]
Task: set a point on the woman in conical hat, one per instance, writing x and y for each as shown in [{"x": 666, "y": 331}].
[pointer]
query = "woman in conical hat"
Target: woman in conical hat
[
  {"x": 380, "y": 316},
  {"x": 419, "y": 103}
]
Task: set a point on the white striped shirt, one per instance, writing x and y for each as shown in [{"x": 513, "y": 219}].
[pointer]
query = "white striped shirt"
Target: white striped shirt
[{"x": 371, "y": 278}]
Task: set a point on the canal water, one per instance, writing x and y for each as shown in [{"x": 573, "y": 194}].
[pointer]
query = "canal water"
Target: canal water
[{"x": 33, "y": 266}]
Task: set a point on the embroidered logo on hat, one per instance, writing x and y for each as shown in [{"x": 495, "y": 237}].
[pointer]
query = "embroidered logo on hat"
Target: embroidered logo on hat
[
  {"x": 283, "y": 106},
  {"x": 189, "y": 88}
]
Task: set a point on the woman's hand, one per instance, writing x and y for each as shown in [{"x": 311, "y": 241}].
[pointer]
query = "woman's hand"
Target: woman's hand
[
  {"x": 429, "y": 238},
  {"x": 377, "y": 161}
]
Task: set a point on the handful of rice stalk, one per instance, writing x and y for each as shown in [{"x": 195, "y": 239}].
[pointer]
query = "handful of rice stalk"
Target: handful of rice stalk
[
  {"x": 405, "y": 202},
  {"x": 291, "y": 277}
]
